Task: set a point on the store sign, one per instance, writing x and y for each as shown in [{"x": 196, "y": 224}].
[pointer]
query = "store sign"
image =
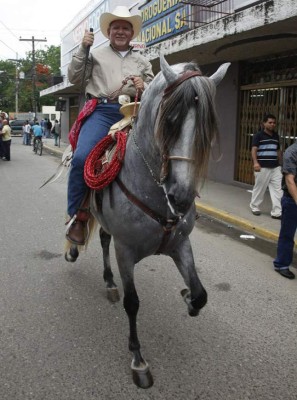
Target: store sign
[
  {"x": 73, "y": 34},
  {"x": 163, "y": 19}
]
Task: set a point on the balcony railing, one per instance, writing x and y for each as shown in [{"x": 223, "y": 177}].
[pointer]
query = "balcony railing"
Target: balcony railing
[{"x": 206, "y": 11}]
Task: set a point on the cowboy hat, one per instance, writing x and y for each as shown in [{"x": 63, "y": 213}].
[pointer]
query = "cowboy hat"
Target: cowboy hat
[{"x": 123, "y": 14}]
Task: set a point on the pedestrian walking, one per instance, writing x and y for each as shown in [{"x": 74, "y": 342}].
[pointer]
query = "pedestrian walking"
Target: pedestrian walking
[
  {"x": 24, "y": 133},
  {"x": 1, "y": 141},
  {"x": 6, "y": 140},
  {"x": 266, "y": 158},
  {"x": 56, "y": 130},
  {"x": 285, "y": 245},
  {"x": 28, "y": 129}
]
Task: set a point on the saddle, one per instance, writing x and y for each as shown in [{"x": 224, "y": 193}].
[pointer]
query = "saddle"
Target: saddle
[{"x": 129, "y": 112}]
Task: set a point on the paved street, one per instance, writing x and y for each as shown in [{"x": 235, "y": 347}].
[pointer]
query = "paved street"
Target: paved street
[{"x": 61, "y": 339}]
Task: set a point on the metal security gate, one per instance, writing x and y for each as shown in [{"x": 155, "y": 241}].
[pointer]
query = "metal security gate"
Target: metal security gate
[{"x": 255, "y": 101}]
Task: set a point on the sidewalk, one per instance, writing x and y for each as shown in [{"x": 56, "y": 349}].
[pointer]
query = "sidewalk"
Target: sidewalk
[{"x": 226, "y": 203}]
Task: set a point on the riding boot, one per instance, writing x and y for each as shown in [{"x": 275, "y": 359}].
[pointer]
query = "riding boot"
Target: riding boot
[{"x": 78, "y": 230}]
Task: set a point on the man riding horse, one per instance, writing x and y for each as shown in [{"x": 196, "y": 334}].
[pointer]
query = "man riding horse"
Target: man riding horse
[{"x": 105, "y": 71}]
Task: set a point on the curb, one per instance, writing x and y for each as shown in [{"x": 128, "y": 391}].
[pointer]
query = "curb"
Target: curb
[
  {"x": 237, "y": 221},
  {"x": 57, "y": 152}
]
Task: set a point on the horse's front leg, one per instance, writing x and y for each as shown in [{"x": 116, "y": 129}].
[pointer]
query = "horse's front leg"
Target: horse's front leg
[
  {"x": 112, "y": 290},
  {"x": 195, "y": 296},
  {"x": 140, "y": 369}
]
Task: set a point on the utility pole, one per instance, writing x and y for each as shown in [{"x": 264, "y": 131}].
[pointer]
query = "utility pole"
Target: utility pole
[
  {"x": 16, "y": 60},
  {"x": 33, "y": 40}
]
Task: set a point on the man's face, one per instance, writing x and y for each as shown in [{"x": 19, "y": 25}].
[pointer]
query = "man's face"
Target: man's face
[
  {"x": 120, "y": 34},
  {"x": 269, "y": 125}
]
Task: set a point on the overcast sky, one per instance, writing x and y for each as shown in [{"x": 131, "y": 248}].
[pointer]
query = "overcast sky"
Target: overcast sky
[{"x": 41, "y": 19}]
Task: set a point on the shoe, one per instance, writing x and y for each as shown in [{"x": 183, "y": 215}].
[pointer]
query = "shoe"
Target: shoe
[
  {"x": 276, "y": 217},
  {"x": 286, "y": 273},
  {"x": 256, "y": 212},
  {"x": 76, "y": 233}
]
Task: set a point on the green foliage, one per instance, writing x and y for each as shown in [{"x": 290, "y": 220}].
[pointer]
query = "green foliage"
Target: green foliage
[{"x": 47, "y": 65}]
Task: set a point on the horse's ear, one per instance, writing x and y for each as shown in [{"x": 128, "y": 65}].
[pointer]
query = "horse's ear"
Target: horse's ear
[
  {"x": 169, "y": 75},
  {"x": 220, "y": 73}
]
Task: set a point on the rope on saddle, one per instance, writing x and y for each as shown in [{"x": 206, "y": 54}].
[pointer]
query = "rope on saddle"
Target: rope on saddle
[{"x": 99, "y": 173}]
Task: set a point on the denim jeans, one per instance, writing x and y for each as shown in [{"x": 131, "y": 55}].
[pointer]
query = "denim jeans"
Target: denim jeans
[
  {"x": 94, "y": 128},
  {"x": 285, "y": 245}
]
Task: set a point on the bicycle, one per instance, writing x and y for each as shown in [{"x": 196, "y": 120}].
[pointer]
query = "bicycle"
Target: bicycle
[{"x": 38, "y": 145}]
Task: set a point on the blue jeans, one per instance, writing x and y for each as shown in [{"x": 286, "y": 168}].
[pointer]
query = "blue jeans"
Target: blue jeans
[
  {"x": 285, "y": 245},
  {"x": 94, "y": 128}
]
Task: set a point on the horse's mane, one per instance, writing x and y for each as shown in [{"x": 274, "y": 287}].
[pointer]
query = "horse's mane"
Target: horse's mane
[{"x": 197, "y": 93}]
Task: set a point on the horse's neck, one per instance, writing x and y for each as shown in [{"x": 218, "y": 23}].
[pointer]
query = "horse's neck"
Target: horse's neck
[{"x": 142, "y": 162}]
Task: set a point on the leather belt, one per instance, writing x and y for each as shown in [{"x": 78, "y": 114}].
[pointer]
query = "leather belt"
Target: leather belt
[{"x": 105, "y": 100}]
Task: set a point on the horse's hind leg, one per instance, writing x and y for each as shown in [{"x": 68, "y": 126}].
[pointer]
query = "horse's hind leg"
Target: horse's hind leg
[
  {"x": 195, "y": 296},
  {"x": 140, "y": 369},
  {"x": 112, "y": 290}
]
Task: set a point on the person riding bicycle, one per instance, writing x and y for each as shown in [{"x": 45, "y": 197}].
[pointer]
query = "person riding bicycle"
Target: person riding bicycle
[{"x": 37, "y": 132}]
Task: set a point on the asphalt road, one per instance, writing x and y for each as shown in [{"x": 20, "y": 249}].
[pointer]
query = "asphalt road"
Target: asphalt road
[{"x": 61, "y": 339}]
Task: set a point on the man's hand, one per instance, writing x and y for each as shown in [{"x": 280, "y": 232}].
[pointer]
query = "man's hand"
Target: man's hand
[
  {"x": 257, "y": 167},
  {"x": 88, "y": 39},
  {"x": 138, "y": 83}
]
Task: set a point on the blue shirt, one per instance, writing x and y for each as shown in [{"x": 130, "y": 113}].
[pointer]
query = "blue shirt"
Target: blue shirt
[{"x": 37, "y": 130}]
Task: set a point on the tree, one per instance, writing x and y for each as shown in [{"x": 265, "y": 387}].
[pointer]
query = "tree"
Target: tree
[
  {"x": 7, "y": 85},
  {"x": 47, "y": 65}
]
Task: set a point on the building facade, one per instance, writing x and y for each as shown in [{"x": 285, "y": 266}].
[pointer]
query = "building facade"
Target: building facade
[{"x": 257, "y": 37}]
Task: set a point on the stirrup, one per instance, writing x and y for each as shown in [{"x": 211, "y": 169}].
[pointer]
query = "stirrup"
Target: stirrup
[{"x": 83, "y": 217}]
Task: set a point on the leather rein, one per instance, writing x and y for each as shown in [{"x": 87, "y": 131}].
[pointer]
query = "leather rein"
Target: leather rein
[{"x": 168, "y": 224}]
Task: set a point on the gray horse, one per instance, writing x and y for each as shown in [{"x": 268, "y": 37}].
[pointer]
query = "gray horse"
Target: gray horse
[{"x": 149, "y": 208}]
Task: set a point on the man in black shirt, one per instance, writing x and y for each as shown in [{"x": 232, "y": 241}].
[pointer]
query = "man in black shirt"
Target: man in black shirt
[{"x": 266, "y": 157}]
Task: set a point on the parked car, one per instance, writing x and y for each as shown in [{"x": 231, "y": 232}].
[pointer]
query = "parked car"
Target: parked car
[{"x": 17, "y": 125}]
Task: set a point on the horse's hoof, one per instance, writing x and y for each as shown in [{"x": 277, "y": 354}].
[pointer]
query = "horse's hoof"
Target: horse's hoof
[
  {"x": 113, "y": 294},
  {"x": 186, "y": 294},
  {"x": 72, "y": 254},
  {"x": 142, "y": 376}
]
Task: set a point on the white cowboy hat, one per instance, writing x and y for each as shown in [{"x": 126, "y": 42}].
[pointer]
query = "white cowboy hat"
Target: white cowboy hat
[{"x": 120, "y": 13}]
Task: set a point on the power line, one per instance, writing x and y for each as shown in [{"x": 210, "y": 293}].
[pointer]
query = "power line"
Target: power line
[
  {"x": 7, "y": 46},
  {"x": 9, "y": 30}
]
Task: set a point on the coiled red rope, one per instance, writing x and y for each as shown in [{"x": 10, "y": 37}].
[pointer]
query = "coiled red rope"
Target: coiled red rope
[{"x": 99, "y": 174}]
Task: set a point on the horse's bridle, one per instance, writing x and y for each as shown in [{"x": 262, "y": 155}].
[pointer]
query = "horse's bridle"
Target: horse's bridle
[{"x": 168, "y": 90}]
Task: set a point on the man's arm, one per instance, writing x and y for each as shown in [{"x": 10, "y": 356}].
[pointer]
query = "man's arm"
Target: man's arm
[
  {"x": 257, "y": 166},
  {"x": 280, "y": 157},
  {"x": 76, "y": 67},
  {"x": 291, "y": 185}
]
